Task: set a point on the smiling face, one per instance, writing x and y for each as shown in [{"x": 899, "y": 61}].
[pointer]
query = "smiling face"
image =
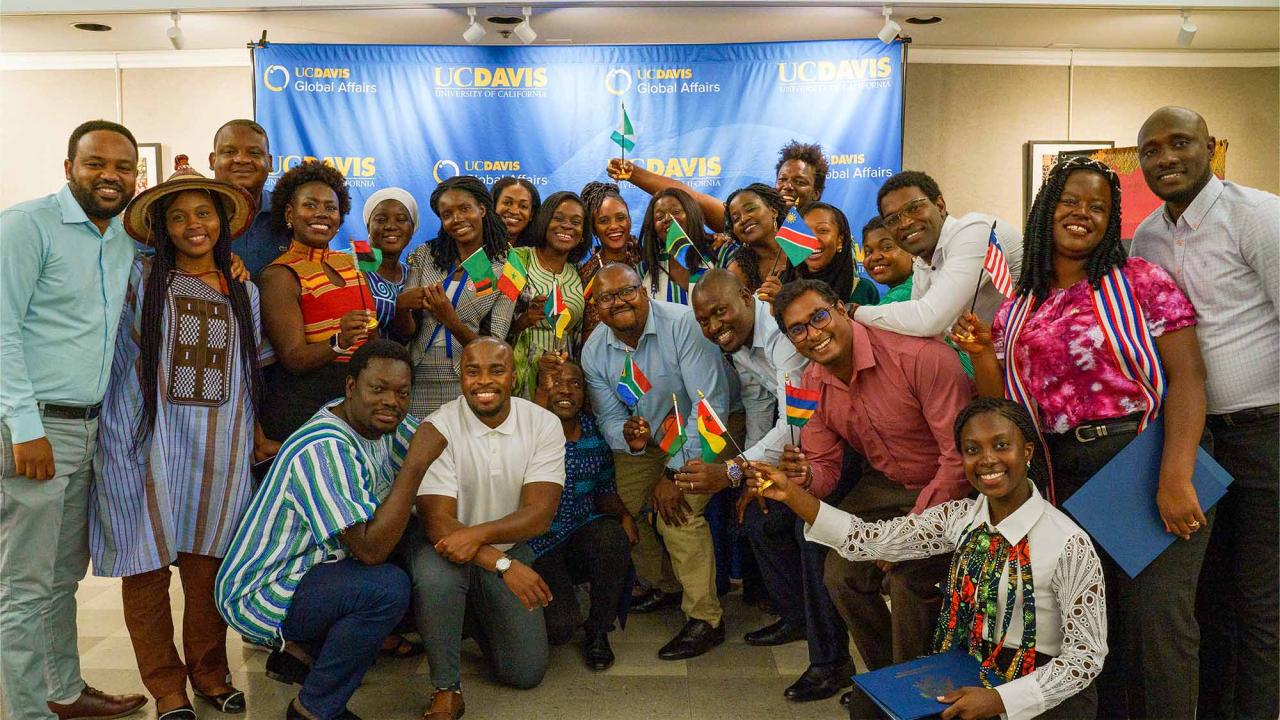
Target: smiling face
[
  {"x": 825, "y": 226},
  {"x": 826, "y": 345},
  {"x": 1175, "y": 152},
  {"x": 754, "y": 222},
  {"x": 487, "y": 375},
  {"x": 564, "y": 232},
  {"x": 103, "y": 175},
  {"x": 796, "y": 182},
  {"x": 390, "y": 227},
  {"x": 515, "y": 207},
  {"x": 665, "y": 209},
  {"x": 726, "y": 313},
  {"x": 995, "y": 457},
  {"x": 1081, "y": 215},
  {"x": 378, "y": 400},
  {"x": 567, "y": 395},
  {"x": 885, "y": 262},
  {"x": 462, "y": 217},
  {"x": 612, "y": 223},
  {"x": 240, "y": 157},
  {"x": 191, "y": 221},
  {"x": 313, "y": 212},
  {"x": 620, "y": 301},
  {"x": 920, "y": 222}
]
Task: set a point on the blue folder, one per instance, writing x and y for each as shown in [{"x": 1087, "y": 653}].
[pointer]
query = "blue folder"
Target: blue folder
[
  {"x": 910, "y": 690},
  {"x": 1117, "y": 507}
]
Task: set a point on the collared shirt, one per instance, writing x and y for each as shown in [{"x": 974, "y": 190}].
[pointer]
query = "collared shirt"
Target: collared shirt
[
  {"x": 1224, "y": 252},
  {"x": 485, "y": 469},
  {"x": 675, "y": 357},
  {"x": 62, "y": 285},
  {"x": 260, "y": 244},
  {"x": 942, "y": 288},
  {"x": 765, "y": 364},
  {"x": 896, "y": 412},
  {"x": 326, "y": 478},
  {"x": 1066, "y": 577}
]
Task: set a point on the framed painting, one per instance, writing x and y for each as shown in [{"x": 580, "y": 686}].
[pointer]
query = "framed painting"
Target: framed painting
[
  {"x": 1040, "y": 157},
  {"x": 150, "y": 166}
]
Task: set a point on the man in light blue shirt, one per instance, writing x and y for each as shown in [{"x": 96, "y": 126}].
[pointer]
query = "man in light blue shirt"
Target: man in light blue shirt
[
  {"x": 64, "y": 264},
  {"x": 242, "y": 156},
  {"x": 664, "y": 342}
]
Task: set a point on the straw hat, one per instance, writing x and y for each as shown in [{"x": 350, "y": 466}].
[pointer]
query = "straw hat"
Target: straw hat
[{"x": 236, "y": 201}]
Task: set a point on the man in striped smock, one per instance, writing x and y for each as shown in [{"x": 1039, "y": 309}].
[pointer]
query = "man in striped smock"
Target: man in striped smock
[{"x": 307, "y": 570}]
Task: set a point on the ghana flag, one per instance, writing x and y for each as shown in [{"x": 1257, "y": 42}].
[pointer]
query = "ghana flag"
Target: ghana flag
[
  {"x": 514, "y": 277},
  {"x": 671, "y": 431},
  {"x": 633, "y": 384},
  {"x": 711, "y": 429},
  {"x": 480, "y": 269},
  {"x": 801, "y": 404},
  {"x": 796, "y": 238}
]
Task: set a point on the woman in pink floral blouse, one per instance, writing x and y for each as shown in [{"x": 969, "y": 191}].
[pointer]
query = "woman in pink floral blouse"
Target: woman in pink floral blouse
[{"x": 1092, "y": 381}]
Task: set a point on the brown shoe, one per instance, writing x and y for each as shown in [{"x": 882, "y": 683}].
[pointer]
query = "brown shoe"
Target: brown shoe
[
  {"x": 93, "y": 704},
  {"x": 445, "y": 705}
]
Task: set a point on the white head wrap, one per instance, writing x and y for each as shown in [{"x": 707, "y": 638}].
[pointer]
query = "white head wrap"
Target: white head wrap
[{"x": 391, "y": 193}]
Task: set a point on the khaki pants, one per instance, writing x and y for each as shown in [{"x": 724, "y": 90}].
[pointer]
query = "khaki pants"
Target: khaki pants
[{"x": 692, "y": 555}]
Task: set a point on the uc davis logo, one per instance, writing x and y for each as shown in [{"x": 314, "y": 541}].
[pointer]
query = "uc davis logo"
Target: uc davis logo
[
  {"x": 445, "y": 169},
  {"x": 617, "y": 82},
  {"x": 276, "y": 78}
]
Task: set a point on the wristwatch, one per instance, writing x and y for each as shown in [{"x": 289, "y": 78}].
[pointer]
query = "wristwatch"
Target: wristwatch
[
  {"x": 734, "y": 469},
  {"x": 503, "y": 565}
]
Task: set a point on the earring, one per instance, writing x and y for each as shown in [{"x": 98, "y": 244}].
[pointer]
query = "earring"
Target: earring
[
  {"x": 1028, "y": 464},
  {"x": 288, "y": 224}
]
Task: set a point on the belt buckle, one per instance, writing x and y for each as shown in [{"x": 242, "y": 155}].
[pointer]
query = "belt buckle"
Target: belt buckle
[{"x": 1096, "y": 430}]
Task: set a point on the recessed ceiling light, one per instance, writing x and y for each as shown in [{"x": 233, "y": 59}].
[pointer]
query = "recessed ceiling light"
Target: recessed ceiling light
[
  {"x": 505, "y": 20},
  {"x": 928, "y": 20},
  {"x": 91, "y": 27}
]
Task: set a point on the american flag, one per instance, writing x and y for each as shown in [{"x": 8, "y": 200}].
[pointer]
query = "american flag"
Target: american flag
[{"x": 996, "y": 264}]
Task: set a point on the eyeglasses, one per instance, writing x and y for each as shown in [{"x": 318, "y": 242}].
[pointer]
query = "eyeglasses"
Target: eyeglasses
[
  {"x": 817, "y": 321},
  {"x": 913, "y": 208},
  {"x": 625, "y": 294}
]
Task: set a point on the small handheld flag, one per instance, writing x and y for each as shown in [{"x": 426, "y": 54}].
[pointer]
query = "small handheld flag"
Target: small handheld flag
[
  {"x": 796, "y": 239},
  {"x": 480, "y": 269},
  {"x": 514, "y": 277},
  {"x": 368, "y": 258},
  {"x": 671, "y": 431},
  {"x": 801, "y": 404},
  {"x": 997, "y": 265},
  {"x": 556, "y": 307},
  {"x": 679, "y": 245},
  {"x": 622, "y": 136},
  {"x": 711, "y": 429},
  {"x": 633, "y": 384},
  {"x": 586, "y": 291}
]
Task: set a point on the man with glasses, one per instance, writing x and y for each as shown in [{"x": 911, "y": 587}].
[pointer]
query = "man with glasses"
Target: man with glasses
[
  {"x": 663, "y": 343},
  {"x": 948, "y": 258},
  {"x": 892, "y": 399}
]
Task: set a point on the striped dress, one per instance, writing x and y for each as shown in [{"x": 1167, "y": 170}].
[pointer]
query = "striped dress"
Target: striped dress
[
  {"x": 187, "y": 488},
  {"x": 534, "y": 341},
  {"x": 384, "y": 294},
  {"x": 326, "y": 478}
]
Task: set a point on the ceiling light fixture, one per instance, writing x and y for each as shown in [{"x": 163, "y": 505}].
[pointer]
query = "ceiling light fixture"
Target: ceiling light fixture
[
  {"x": 891, "y": 29},
  {"x": 524, "y": 30},
  {"x": 176, "y": 38},
  {"x": 91, "y": 27},
  {"x": 924, "y": 20},
  {"x": 474, "y": 31},
  {"x": 1187, "y": 31}
]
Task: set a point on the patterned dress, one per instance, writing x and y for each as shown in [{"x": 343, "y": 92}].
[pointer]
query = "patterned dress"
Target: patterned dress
[
  {"x": 187, "y": 488},
  {"x": 588, "y": 474},
  {"x": 384, "y": 294},
  {"x": 535, "y": 340}
]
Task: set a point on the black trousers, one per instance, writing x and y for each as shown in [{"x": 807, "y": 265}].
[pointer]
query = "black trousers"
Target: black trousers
[
  {"x": 1152, "y": 667},
  {"x": 597, "y": 552},
  {"x": 1238, "y": 603}
]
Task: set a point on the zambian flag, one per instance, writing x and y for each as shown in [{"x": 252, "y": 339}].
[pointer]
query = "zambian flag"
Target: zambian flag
[
  {"x": 712, "y": 431},
  {"x": 671, "y": 432},
  {"x": 622, "y": 136},
  {"x": 633, "y": 384},
  {"x": 480, "y": 271},
  {"x": 514, "y": 277}
]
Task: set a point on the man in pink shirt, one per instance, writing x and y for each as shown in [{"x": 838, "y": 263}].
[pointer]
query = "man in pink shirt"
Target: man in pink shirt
[{"x": 893, "y": 399}]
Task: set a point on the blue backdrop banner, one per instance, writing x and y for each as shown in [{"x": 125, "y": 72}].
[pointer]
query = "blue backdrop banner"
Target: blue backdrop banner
[{"x": 712, "y": 116}]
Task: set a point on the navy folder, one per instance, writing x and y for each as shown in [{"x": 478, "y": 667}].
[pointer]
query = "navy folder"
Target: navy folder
[
  {"x": 1117, "y": 507},
  {"x": 910, "y": 690}
]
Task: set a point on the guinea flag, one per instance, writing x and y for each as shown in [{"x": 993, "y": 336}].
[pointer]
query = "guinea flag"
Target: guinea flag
[
  {"x": 557, "y": 308},
  {"x": 514, "y": 277},
  {"x": 480, "y": 269},
  {"x": 633, "y": 384},
  {"x": 796, "y": 238},
  {"x": 711, "y": 429},
  {"x": 670, "y": 431}
]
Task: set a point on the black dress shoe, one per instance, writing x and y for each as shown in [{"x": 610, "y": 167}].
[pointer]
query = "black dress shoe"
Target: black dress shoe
[
  {"x": 779, "y": 633},
  {"x": 596, "y": 650},
  {"x": 655, "y": 599},
  {"x": 820, "y": 682},
  {"x": 694, "y": 639},
  {"x": 231, "y": 703},
  {"x": 287, "y": 667}
]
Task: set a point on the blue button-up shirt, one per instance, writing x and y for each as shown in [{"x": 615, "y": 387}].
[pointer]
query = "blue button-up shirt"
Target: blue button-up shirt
[
  {"x": 62, "y": 286},
  {"x": 675, "y": 357},
  {"x": 260, "y": 244}
]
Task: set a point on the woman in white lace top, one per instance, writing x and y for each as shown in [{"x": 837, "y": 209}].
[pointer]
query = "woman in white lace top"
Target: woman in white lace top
[{"x": 1025, "y": 591}]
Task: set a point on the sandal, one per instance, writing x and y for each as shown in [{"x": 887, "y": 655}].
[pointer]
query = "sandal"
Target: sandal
[
  {"x": 231, "y": 703},
  {"x": 404, "y": 648}
]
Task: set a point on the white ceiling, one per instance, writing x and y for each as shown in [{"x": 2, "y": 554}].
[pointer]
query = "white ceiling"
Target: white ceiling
[{"x": 1137, "y": 28}]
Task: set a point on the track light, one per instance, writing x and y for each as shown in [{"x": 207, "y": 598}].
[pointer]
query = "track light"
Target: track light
[
  {"x": 475, "y": 31},
  {"x": 891, "y": 29},
  {"x": 524, "y": 30},
  {"x": 176, "y": 38},
  {"x": 1187, "y": 32}
]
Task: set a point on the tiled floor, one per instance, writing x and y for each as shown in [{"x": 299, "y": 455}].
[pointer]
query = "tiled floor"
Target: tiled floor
[{"x": 735, "y": 681}]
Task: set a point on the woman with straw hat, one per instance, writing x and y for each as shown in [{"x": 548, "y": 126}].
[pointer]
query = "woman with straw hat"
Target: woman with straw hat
[{"x": 177, "y": 434}]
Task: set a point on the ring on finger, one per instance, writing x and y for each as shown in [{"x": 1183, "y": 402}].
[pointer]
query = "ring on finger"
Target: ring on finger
[{"x": 1194, "y": 524}]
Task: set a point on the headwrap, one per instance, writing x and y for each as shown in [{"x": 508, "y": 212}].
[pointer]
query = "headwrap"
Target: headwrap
[{"x": 391, "y": 193}]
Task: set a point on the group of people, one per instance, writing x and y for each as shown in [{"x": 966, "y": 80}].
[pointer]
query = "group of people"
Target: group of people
[{"x": 338, "y": 450}]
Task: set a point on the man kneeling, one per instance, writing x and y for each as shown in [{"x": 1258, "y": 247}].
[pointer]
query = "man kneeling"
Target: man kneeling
[
  {"x": 496, "y": 484},
  {"x": 308, "y": 565}
]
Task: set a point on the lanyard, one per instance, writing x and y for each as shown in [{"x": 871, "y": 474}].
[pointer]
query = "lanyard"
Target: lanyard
[{"x": 457, "y": 295}]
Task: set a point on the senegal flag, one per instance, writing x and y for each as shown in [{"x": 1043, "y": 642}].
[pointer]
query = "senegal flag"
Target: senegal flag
[
  {"x": 796, "y": 239},
  {"x": 514, "y": 277},
  {"x": 711, "y": 429},
  {"x": 480, "y": 270}
]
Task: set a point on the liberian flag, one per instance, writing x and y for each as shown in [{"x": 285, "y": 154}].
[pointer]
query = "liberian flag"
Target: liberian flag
[
  {"x": 480, "y": 270},
  {"x": 678, "y": 244},
  {"x": 796, "y": 239},
  {"x": 801, "y": 404},
  {"x": 670, "y": 431},
  {"x": 514, "y": 277},
  {"x": 558, "y": 309},
  {"x": 711, "y": 429},
  {"x": 996, "y": 264},
  {"x": 633, "y": 384}
]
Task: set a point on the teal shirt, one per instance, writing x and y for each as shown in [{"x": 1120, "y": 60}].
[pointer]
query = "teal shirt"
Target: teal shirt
[
  {"x": 901, "y": 292},
  {"x": 62, "y": 286}
]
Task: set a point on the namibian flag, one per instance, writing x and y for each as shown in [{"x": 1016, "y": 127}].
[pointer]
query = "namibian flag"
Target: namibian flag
[
  {"x": 711, "y": 429},
  {"x": 796, "y": 239},
  {"x": 633, "y": 384},
  {"x": 670, "y": 431},
  {"x": 514, "y": 277},
  {"x": 558, "y": 309},
  {"x": 480, "y": 270},
  {"x": 678, "y": 244},
  {"x": 621, "y": 136},
  {"x": 801, "y": 404}
]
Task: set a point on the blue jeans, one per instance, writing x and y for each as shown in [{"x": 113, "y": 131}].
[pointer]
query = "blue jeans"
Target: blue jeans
[{"x": 341, "y": 613}]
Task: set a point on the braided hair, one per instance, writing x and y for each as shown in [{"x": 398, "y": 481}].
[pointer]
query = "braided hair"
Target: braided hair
[
  {"x": 1037, "y": 254},
  {"x": 594, "y": 194},
  {"x": 841, "y": 269},
  {"x": 746, "y": 257},
  {"x": 535, "y": 202},
  {"x": 308, "y": 171},
  {"x": 444, "y": 249},
  {"x": 652, "y": 245},
  {"x": 151, "y": 338},
  {"x": 810, "y": 154},
  {"x": 1016, "y": 414}
]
